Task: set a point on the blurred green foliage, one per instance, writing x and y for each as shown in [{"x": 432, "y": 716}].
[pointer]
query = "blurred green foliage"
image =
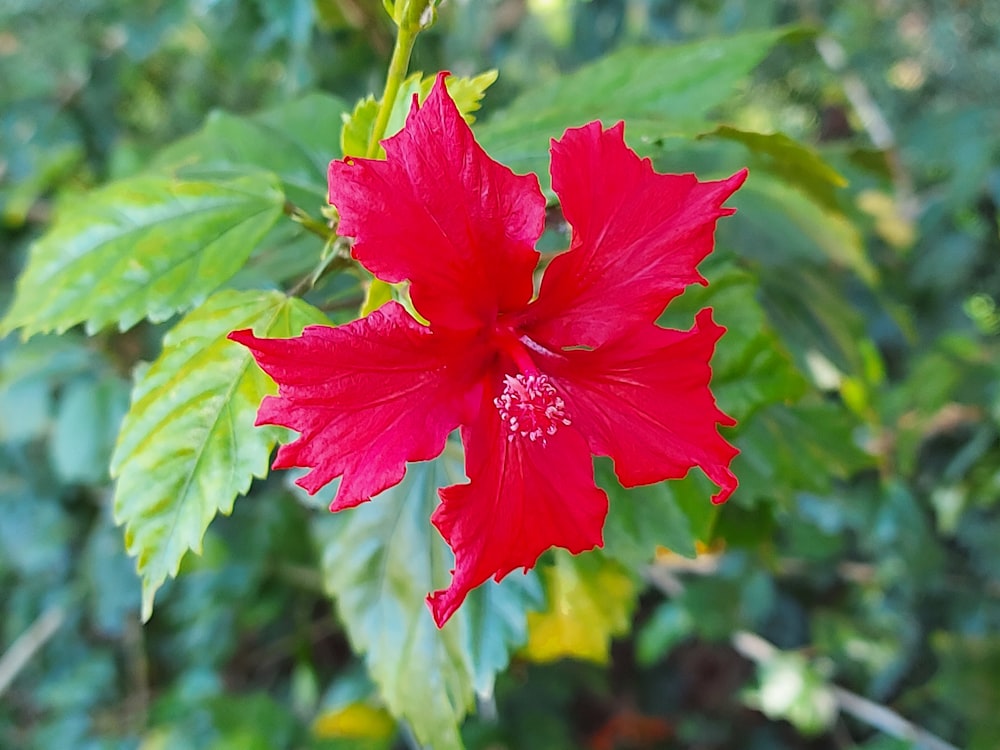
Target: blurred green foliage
[{"x": 862, "y": 362}]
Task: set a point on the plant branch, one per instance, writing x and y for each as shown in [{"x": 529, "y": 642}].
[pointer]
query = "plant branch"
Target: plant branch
[
  {"x": 28, "y": 644},
  {"x": 758, "y": 650},
  {"x": 873, "y": 714}
]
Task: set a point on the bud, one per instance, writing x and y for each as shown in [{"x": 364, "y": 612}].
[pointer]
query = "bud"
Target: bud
[{"x": 414, "y": 15}]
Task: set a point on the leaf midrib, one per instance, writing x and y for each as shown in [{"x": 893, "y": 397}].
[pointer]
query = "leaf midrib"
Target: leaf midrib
[{"x": 202, "y": 447}]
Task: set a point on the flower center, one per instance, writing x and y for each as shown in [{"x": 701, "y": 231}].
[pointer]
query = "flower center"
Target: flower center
[{"x": 530, "y": 407}]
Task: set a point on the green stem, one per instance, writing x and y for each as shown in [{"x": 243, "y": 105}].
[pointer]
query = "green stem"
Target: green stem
[
  {"x": 319, "y": 228},
  {"x": 405, "y": 37}
]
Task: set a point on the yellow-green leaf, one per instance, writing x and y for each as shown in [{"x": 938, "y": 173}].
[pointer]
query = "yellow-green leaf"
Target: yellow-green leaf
[
  {"x": 358, "y": 126},
  {"x": 377, "y": 294},
  {"x": 590, "y": 601},
  {"x": 356, "y": 721},
  {"x": 145, "y": 247},
  {"x": 467, "y": 91},
  {"x": 188, "y": 445},
  {"x": 357, "y": 131}
]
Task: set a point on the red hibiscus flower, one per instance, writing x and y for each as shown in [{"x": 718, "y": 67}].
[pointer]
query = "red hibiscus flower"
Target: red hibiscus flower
[{"x": 538, "y": 384}]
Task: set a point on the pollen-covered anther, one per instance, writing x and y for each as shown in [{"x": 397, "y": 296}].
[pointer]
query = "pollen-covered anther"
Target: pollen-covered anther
[{"x": 531, "y": 407}]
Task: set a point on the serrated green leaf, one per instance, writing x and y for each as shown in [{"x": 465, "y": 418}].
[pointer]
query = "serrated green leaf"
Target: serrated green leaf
[
  {"x": 590, "y": 601},
  {"x": 380, "y": 561},
  {"x": 466, "y": 92},
  {"x": 659, "y": 91},
  {"x": 145, "y": 247},
  {"x": 795, "y": 163},
  {"x": 358, "y": 127},
  {"x": 188, "y": 446}
]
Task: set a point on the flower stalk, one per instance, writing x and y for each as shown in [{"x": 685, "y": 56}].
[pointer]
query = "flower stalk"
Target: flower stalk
[{"x": 411, "y": 17}]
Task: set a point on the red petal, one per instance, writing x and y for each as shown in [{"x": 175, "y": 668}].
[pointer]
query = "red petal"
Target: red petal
[
  {"x": 522, "y": 498},
  {"x": 443, "y": 215},
  {"x": 644, "y": 400},
  {"x": 366, "y": 397},
  {"x": 638, "y": 237}
]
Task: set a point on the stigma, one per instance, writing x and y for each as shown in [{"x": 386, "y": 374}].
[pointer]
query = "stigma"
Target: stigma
[{"x": 531, "y": 407}]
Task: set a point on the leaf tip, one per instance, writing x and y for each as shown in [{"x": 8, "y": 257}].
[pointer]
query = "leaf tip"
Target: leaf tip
[{"x": 149, "y": 590}]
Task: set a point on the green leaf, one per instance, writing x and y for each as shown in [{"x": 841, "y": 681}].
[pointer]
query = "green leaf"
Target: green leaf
[
  {"x": 786, "y": 449},
  {"x": 793, "y": 162},
  {"x": 86, "y": 423},
  {"x": 668, "y": 626},
  {"x": 497, "y": 625},
  {"x": 377, "y": 294},
  {"x": 466, "y": 92},
  {"x": 783, "y": 226},
  {"x": 817, "y": 322},
  {"x": 674, "y": 514},
  {"x": 145, "y": 247},
  {"x": 659, "y": 91},
  {"x": 967, "y": 683},
  {"x": 30, "y": 373},
  {"x": 188, "y": 445},
  {"x": 295, "y": 141},
  {"x": 750, "y": 368},
  {"x": 380, "y": 560}
]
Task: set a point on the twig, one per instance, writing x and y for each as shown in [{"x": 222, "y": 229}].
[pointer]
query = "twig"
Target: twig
[
  {"x": 28, "y": 644},
  {"x": 321, "y": 229},
  {"x": 664, "y": 573},
  {"x": 887, "y": 720},
  {"x": 884, "y": 719}
]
